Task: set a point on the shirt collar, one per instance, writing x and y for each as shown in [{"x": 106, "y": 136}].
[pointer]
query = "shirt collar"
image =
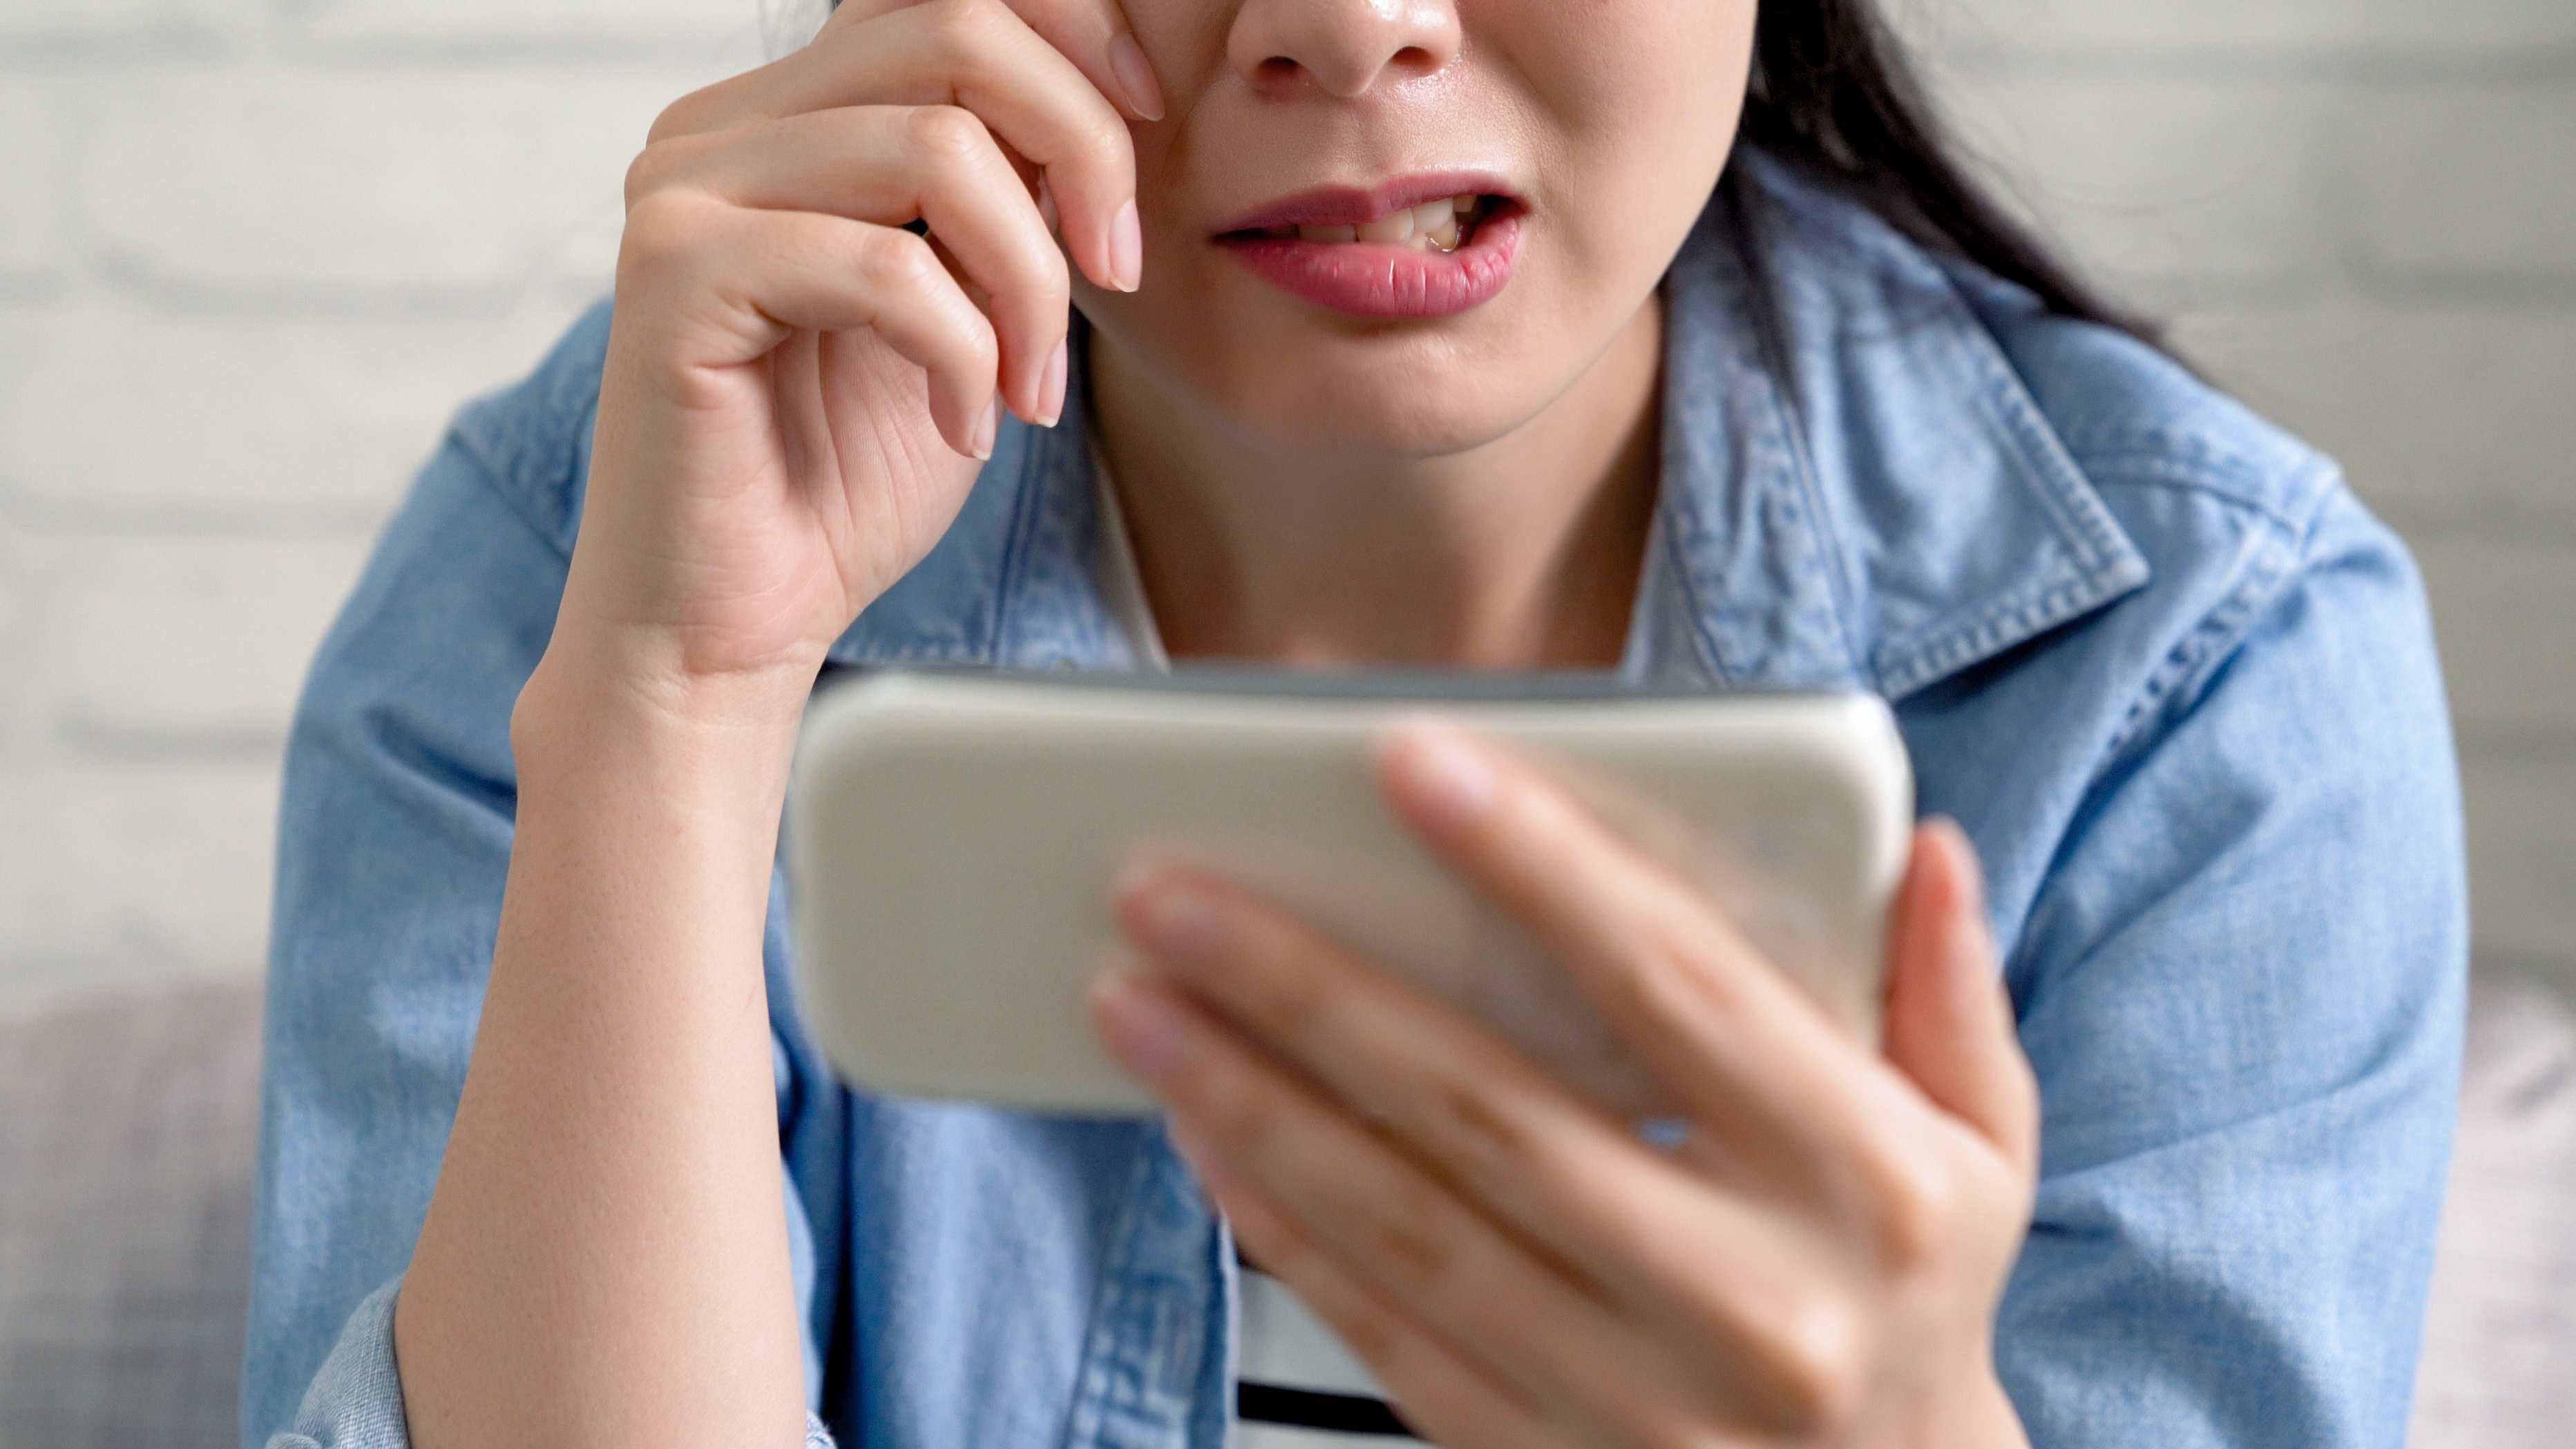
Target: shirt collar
[{"x": 1858, "y": 491}]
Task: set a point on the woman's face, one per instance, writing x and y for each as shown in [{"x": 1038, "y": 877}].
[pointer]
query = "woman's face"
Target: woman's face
[{"x": 1591, "y": 132}]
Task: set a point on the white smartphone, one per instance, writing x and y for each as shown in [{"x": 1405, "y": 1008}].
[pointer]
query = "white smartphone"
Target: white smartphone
[{"x": 953, "y": 840}]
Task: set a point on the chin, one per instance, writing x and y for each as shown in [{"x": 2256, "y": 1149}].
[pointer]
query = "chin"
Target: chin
[
  {"x": 1321, "y": 390},
  {"x": 1395, "y": 412}
]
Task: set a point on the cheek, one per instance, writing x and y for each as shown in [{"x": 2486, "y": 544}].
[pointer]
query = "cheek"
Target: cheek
[{"x": 1640, "y": 101}]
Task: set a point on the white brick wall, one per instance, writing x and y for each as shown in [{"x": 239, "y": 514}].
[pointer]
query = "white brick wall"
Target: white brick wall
[
  {"x": 2362, "y": 215},
  {"x": 252, "y": 252},
  {"x": 2226, "y": 34},
  {"x": 125, "y": 25},
  {"x": 2468, "y": 184},
  {"x": 31, "y": 249}
]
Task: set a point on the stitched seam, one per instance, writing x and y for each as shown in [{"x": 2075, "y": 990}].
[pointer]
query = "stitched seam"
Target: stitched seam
[
  {"x": 1028, "y": 497},
  {"x": 2079, "y": 514},
  {"x": 2105, "y": 560},
  {"x": 530, "y": 435},
  {"x": 2017, "y": 617},
  {"x": 1096, "y": 1389},
  {"x": 514, "y": 500},
  {"x": 1822, "y": 528},
  {"x": 2141, "y": 463},
  {"x": 2213, "y": 639}
]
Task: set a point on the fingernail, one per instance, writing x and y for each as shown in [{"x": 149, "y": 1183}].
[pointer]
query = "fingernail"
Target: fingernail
[
  {"x": 987, "y": 429},
  {"x": 1051, "y": 387},
  {"x": 1451, "y": 780},
  {"x": 1136, "y": 77},
  {"x": 1142, "y": 1028},
  {"x": 1178, "y": 922},
  {"x": 1127, "y": 249}
]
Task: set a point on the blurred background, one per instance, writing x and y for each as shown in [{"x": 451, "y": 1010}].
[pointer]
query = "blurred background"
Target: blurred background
[{"x": 253, "y": 252}]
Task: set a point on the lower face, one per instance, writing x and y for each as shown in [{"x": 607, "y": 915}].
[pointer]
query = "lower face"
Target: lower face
[{"x": 1427, "y": 265}]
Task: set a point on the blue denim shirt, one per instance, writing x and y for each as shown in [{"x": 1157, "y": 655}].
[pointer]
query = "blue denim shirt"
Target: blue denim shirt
[{"x": 2176, "y": 683}]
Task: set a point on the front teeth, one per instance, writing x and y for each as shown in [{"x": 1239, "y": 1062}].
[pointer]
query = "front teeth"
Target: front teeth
[{"x": 1432, "y": 226}]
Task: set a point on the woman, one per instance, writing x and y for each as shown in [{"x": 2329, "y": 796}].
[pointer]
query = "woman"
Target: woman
[{"x": 1655, "y": 336}]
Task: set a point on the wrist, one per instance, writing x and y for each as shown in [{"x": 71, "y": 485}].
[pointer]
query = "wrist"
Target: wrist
[{"x": 622, "y": 702}]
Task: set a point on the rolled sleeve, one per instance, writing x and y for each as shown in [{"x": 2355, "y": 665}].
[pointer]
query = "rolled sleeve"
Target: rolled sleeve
[
  {"x": 356, "y": 1401},
  {"x": 394, "y": 847},
  {"x": 2242, "y": 989}
]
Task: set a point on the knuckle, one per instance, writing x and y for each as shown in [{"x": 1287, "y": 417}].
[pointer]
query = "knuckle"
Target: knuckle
[
  {"x": 966, "y": 30},
  {"x": 1413, "y": 1241},
  {"x": 1246, "y": 1120},
  {"x": 1817, "y": 1362},
  {"x": 1469, "y": 1114},
  {"x": 1913, "y": 1201},
  {"x": 1110, "y": 136},
  {"x": 1667, "y": 978},
  {"x": 1100, "y": 139},
  {"x": 649, "y": 172},
  {"x": 983, "y": 346},
  {"x": 949, "y": 138},
  {"x": 1298, "y": 1004},
  {"x": 679, "y": 118},
  {"x": 970, "y": 349},
  {"x": 895, "y": 261},
  {"x": 661, "y": 235},
  {"x": 1053, "y": 285}
]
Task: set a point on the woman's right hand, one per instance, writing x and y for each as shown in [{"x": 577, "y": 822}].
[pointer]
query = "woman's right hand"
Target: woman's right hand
[
  {"x": 794, "y": 386},
  {"x": 799, "y": 389}
]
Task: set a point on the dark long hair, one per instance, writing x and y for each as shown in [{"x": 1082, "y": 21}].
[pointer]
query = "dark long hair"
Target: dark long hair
[{"x": 1833, "y": 95}]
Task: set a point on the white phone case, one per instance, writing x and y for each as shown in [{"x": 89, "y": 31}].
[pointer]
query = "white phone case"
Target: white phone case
[{"x": 953, "y": 841}]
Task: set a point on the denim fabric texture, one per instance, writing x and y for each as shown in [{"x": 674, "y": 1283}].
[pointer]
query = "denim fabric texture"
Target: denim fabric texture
[{"x": 2176, "y": 683}]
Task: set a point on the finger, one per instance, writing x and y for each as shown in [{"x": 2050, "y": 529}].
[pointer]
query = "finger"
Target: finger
[
  {"x": 1393, "y": 1224},
  {"x": 979, "y": 55},
  {"x": 1720, "y": 1306},
  {"x": 889, "y": 165},
  {"x": 735, "y": 282},
  {"x": 1748, "y": 1053},
  {"x": 1516, "y": 1143},
  {"x": 1093, "y": 34},
  {"x": 1437, "y": 1390},
  {"x": 1949, "y": 1024}
]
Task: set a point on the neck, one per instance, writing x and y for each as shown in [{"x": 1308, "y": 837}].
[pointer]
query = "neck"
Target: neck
[{"x": 1521, "y": 553}]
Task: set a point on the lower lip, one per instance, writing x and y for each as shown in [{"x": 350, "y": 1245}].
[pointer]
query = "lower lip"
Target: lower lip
[{"x": 1388, "y": 281}]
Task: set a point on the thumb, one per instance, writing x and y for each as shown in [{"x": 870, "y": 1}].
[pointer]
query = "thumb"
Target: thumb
[{"x": 1949, "y": 1024}]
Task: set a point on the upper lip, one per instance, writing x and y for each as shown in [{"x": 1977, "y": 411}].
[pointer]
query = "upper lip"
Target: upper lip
[{"x": 1357, "y": 206}]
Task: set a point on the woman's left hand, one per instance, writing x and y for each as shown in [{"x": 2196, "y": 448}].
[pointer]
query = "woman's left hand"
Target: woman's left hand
[{"x": 1818, "y": 1262}]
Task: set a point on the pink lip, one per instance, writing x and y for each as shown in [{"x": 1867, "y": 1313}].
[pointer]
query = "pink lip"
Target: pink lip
[
  {"x": 1384, "y": 280},
  {"x": 1375, "y": 280}
]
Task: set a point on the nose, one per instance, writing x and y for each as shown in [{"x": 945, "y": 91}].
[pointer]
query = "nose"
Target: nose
[{"x": 1281, "y": 47}]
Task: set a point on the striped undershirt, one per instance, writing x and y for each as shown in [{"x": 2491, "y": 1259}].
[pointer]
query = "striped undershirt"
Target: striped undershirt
[{"x": 1295, "y": 1385}]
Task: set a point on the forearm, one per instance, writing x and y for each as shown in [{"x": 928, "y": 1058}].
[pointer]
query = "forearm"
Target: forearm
[{"x": 605, "y": 1258}]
